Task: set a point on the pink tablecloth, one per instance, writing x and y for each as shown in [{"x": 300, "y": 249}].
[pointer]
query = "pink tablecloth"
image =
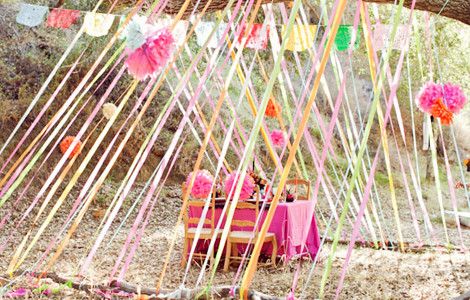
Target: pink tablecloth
[{"x": 288, "y": 224}]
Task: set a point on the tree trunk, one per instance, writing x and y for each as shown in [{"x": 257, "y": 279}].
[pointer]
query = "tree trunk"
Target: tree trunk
[{"x": 455, "y": 9}]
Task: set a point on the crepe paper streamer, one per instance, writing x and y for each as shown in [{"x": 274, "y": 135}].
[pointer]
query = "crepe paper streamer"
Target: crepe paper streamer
[
  {"x": 451, "y": 95},
  {"x": 382, "y": 37},
  {"x": 65, "y": 144},
  {"x": 363, "y": 144},
  {"x": 204, "y": 29},
  {"x": 152, "y": 56},
  {"x": 278, "y": 138},
  {"x": 440, "y": 110},
  {"x": 97, "y": 24},
  {"x": 202, "y": 184},
  {"x": 62, "y": 18},
  {"x": 257, "y": 38},
  {"x": 109, "y": 109},
  {"x": 302, "y": 37},
  {"x": 248, "y": 186},
  {"x": 344, "y": 36},
  {"x": 273, "y": 110},
  {"x": 18, "y": 293},
  {"x": 31, "y": 15}
]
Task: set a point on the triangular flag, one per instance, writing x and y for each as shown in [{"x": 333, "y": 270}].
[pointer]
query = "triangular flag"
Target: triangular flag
[
  {"x": 382, "y": 34},
  {"x": 97, "y": 24},
  {"x": 31, "y": 15},
  {"x": 301, "y": 37},
  {"x": 62, "y": 18},
  {"x": 344, "y": 36},
  {"x": 204, "y": 29},
  {"x": 257, "y": 38}
]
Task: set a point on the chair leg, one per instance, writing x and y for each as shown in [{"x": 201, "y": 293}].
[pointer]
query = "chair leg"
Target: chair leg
[
  {"x": 228, "y": 251},
  {"x": 274, "y": 253},
  {"x": 184, "y": 256}
]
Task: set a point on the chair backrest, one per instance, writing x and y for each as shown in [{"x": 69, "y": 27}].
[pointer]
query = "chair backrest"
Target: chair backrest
[
  {"x": 198, "y": 205},
  {"x": 252, "y": 209},
  {"x": 296, "y": 182}
]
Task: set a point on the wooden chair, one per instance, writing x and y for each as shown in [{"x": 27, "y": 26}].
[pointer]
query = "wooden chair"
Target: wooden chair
[
  {"x": 300, "y": 182},
  {"x": 246, "y": 236},
  {"x": 206, "y": 232}
]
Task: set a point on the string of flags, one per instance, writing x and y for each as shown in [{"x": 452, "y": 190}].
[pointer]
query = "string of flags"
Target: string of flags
[{"x": 301, "y": 38}]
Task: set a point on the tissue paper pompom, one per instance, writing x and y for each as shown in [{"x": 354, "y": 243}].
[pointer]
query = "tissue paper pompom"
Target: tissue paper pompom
[
  {"x": 273, "y": 109},
  {"x": 202, "y": 184},
  {"x": 152, "y": 56},
  {"x": 247, "y": 189},
  {"x": 440, "y": 110},
  {"x": 278, "y": 138},
  {"x": 108, "y": 110},
  {"x": 429, "y": 95},
  {"x": 65, "y": 144},
  {"x": 454, "y": 97}
]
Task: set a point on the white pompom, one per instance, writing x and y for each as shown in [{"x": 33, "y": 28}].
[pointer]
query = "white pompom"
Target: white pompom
[{"x": 108, "y": 110}]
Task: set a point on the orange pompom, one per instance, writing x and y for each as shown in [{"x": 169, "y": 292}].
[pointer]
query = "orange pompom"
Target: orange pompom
[
  {"x": 440, "y": 110},
  {"x": 65, "y": 144},
  {"x": 273, "y": 110}
]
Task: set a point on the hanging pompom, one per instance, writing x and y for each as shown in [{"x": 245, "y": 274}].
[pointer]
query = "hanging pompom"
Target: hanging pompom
[
  {"x": 278, "y": 138},
  {"x": 428, "y": 96},
  {"x": 454, "y": 97},
  {"x": 440, "y": 110},
  {"x": 247, "y": 189},
  {"x": 273, "y": 110},
  {"x": 109, "y": 109},
  {"x": 152, "y": 56},
  {"x": 202, "y": 184},
  {"x": 65, "y": 144},
  {"x": 134, "y": 32}
]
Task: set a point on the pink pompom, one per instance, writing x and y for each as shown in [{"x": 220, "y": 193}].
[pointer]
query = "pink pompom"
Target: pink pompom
[
  {"x": 429, "y": 95},
  {"x": 247, "y": 189},
  {"x": 454, "y": 98},
  {"x": 278, "y": 138},
  {"x": 202, "y": 184},
  {"x": 152, "y": 56}
]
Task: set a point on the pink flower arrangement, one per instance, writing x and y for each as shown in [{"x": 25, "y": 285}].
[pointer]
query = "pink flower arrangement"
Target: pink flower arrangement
[
  {"x": 452, "y": 95},
  {"x": 152, "y": 56},
  {"x": 278, "y": 138},
  {"x": 247, "y": 189},
  {"x": 202, "y": 184}
]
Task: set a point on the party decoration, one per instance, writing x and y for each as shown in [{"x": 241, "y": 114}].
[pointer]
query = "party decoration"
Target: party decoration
[
  {"x": 109, "y": 109},
  {"x": 152, "y": 56},
  {"x": 300, "y": 38},
  {"x": 31, "y": 15},
  {"x": 97, "y": 24},
  {"x": 440, "y": 110},
  {"x": 344, "y": 36},
  {"x": 134, "y": 32},
  {"x": 381, "y": 37},
  {"x": 202, "y": 184},
  {"x": 248, "y": 186},
  {"x": 273, "y": 110},
  {"x": 178, "y": 32},
  {"x": 257, "y": 37},
  {"x": 62, "y": 18},
  {"x": 65, "y": 144},
  {"x": 203, "y": 31},
  {"x": 450, "y": 95},
  {"x": 278, "y": 138}
]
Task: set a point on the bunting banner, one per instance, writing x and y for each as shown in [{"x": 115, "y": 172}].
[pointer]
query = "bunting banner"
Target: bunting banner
[
  {"x": 97, "y": 24},
  {"x": 257, "y": 38},
  {"x": 203, "y": 31},
  {"x": 62, "y": 18},
  {"x": 382, "y": 36},
  {"x": 31, "y": 15},
  {"x": 344, "y": 36},
  {"x": 301, "y": 37}
]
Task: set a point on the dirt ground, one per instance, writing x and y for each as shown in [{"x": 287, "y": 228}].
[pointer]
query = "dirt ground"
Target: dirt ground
[{"x": 372, "y": 274}]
